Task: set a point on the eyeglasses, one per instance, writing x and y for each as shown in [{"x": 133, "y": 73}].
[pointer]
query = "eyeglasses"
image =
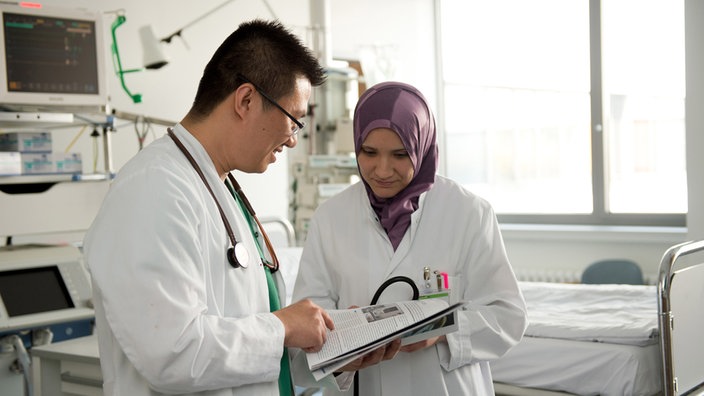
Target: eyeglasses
[{"x": 299, "y": 124}]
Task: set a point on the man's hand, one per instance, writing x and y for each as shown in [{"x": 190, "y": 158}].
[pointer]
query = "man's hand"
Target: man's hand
[{"x": 306, "y": 325}]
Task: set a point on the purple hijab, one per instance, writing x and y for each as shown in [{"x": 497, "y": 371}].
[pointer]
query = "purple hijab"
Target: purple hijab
[{"x": 403, "y": 109}]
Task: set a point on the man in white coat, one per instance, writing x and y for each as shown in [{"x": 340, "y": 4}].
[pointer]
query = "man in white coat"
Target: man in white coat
[
  {"x": 186, "y": 292},
  {"x": 400, "y": 218}
]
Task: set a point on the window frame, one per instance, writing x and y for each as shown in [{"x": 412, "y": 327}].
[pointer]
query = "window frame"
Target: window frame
[{"x": 600, "y": 214}]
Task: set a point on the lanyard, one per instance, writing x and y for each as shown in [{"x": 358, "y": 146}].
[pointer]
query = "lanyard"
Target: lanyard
[
  {"x": 251, "y": 222},
  {"x": 237, "y": 254},
  {"x": 285, "y": 383},
  {"x": 249, "y": 214}
]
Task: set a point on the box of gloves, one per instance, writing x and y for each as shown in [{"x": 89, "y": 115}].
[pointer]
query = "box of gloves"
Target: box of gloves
[
  {"x": 26, "y": 142},
  {"x": 49, "y": 163}
]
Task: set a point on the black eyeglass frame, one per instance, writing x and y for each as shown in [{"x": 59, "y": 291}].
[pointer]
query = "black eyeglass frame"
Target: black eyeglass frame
[{"x": 299, "y": 124}]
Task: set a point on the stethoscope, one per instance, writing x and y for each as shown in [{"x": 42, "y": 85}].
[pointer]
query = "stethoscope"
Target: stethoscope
[
  {"x": 237, "y": 254},
  {"x": 375, "y": 299}
]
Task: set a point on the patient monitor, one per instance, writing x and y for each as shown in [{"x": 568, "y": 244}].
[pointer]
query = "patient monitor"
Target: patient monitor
[
  {"x": 51, "y": 57},
  {"x": 42, "y": 286}
]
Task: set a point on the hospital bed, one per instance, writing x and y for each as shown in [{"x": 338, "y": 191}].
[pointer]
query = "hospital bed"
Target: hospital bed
[{"x": 612, "y": 339}]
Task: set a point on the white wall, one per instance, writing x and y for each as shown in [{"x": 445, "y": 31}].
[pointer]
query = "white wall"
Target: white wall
[
  {"x": 398, "y": 28},
  {"x": 569, "y": 249}
]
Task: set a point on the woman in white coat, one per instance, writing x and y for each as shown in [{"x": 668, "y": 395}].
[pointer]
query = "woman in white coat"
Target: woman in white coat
[{"x": 401, "y": 218}]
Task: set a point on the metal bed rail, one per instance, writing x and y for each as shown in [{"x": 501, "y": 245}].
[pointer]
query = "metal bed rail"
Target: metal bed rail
[
  {"x": 666, "y": 318},
  {"x": 285, "y": 226}
]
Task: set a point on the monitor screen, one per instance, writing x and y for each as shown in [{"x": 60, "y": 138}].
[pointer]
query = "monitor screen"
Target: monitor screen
[
  {"x": 51, "y": 57},
  {"x": 45, "y": 54},
  {"x": 34, "y": 290}
]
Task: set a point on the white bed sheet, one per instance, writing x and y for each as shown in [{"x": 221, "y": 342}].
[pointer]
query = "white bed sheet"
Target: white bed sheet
[
  {"x": 622, "y": 314},
  {"x": 586, "y": 340},
  {"x": 581, "y": 367}
]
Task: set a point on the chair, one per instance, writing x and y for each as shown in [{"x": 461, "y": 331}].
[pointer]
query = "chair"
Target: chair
[{"x": 613, "y": 271}]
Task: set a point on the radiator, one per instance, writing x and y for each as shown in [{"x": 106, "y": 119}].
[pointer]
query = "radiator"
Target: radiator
[
  {"x": 557, "y": 276},
  {"x": 560, "y": 276}
]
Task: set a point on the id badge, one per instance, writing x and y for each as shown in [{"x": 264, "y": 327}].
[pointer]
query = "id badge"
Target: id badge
[{"x": 434, "y": 284}]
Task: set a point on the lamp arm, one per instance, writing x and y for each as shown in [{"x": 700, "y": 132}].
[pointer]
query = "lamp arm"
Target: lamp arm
[{"x": 168, "y": 38}]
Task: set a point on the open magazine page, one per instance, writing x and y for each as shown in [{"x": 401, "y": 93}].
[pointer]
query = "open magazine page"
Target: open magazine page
[{"x": 360, "y": 330}]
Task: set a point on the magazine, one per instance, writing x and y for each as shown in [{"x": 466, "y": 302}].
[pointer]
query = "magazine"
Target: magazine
[{"x": 360, "y": 330}]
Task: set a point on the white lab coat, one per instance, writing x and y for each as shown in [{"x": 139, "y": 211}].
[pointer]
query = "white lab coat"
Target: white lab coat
[
  {"x": 172, "y": 315},
  {"x": 347, "y": 255}
]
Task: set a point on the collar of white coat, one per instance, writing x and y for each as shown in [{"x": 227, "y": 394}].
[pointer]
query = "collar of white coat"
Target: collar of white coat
[
  {"x": 198, "y": 152},
  {"x": 206, "y": 165}
]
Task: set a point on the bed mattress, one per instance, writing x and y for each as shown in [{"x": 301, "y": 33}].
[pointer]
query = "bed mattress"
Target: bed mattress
[
  {"x": 620, "y": 314},
  {"x": 586, "y": 340},
  {"x": 581, "y": 367}
]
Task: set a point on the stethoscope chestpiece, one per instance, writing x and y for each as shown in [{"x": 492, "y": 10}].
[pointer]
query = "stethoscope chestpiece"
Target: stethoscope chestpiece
[{"x": 238, "y": 256}]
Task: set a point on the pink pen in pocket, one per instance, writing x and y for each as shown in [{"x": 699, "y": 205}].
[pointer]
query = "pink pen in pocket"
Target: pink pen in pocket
[{"x": 446, "y": 280}]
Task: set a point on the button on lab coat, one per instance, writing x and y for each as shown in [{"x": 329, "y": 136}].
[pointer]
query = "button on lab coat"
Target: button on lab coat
[
  {"x": 347, "y": 255},
  {"x": 172, "y": 315}
]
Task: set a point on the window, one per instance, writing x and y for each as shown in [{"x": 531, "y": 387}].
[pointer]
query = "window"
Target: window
[{"x": 567, "y": 111}]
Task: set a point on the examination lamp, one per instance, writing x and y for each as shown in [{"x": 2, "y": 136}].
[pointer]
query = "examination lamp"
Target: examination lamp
[{"x": 153, "y": 56}]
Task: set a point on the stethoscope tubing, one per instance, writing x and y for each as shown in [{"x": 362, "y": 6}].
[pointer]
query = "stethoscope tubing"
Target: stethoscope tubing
[{"x": 390, "y": 281}]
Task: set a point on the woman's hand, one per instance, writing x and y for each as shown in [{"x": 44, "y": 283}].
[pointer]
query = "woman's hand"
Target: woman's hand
[
  {"x": 417, "y": 346},
  {"x": 384, "y": 352}
]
